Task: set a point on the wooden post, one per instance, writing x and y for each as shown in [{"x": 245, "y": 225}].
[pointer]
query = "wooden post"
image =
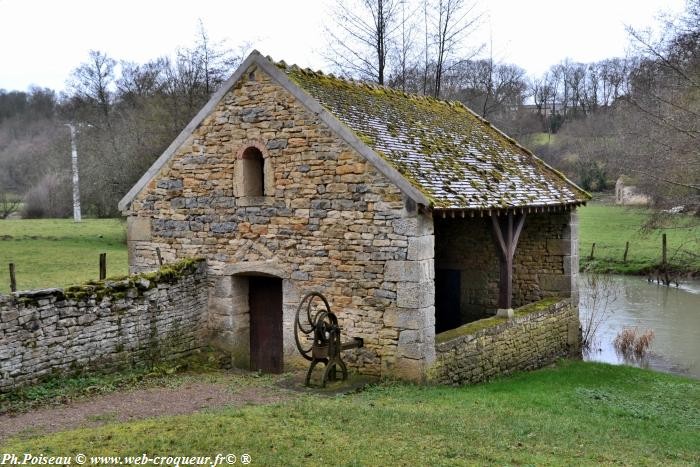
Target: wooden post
[
  {"x": 103, "y": 266},
  {"x": 663, "y": 250},
  {"x": 506, "y": 238},
  {"x": 592, "y": 251},
  {"x": 664, "y": 266},
  {"x": 160, "y": 258},
  {"x": 13, "y": 280},
  {"x": 627, "y": 247}
]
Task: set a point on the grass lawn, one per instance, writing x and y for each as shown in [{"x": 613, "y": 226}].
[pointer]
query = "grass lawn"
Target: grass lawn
[
  {"x": 610, "y": 226},
  {"x": 60, "y": 252},
  {"x": 576, "y": 413},
  {"x": 540, "y": 139}
]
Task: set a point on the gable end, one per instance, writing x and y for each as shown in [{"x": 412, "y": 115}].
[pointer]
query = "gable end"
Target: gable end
[{"x": 335, "y": 125}]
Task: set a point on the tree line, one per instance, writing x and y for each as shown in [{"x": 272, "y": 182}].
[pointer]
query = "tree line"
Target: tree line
[
  {"x": 636, "y": 115},
  {"x": 125, "y": 113}
]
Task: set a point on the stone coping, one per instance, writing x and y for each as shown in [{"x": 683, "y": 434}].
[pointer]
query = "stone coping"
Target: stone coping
[
  {"x": 494, "y": 325},
  {"x": 111, "y": 285}
]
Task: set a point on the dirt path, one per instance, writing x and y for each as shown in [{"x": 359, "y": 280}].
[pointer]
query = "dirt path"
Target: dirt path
[{"x": 134, "y": 405}]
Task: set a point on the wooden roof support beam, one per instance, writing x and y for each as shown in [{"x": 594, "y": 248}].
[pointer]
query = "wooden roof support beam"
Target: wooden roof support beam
[{"x": 506, "y": 235}]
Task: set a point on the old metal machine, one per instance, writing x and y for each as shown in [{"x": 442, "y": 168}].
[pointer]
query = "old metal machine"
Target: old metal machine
[{"x": 317, "y": 335}]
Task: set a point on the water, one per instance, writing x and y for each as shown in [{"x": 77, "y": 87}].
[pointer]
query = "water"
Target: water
[{"x": 672, "y": 313}]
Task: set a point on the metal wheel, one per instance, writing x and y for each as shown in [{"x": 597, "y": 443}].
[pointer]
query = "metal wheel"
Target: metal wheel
[{"x": 312, "y": 307}]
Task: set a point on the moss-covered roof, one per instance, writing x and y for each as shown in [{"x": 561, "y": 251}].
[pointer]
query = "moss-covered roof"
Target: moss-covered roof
[{"x": 453, "y": 156}]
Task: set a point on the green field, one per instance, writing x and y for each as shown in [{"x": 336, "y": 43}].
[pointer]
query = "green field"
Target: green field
[
  {"x": 60, "y": 252},
  {"x": 611, "y": 226},
  {"x": 535, "y": 140},
  {"x": 575, "y": 414}
]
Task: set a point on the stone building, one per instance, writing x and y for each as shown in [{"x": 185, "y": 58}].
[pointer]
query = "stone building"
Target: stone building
[
  {"x": 412, "y": 215},
  {"x": 627, "y": 193}
]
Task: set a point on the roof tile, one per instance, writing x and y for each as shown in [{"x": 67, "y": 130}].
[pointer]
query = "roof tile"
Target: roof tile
[{"x": 453, "y": 156}]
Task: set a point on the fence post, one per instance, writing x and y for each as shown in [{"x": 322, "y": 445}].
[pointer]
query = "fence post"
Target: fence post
[
  {"x": 663, "y": 249},
  {"x": 664, "y": 266},
  {"x": 160, "y": 258},
  {"x": 627, "y": 247},
  {"x": 13, "y": 280},
  {"x": 592, "y": 251},
  {"x": 103, "y": 266}
]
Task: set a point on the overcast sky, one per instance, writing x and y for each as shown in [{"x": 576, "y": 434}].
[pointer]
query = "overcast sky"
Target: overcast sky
[{"x": 41, "y": 41}]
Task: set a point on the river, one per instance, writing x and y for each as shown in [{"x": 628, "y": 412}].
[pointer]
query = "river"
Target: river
[{"x": 672, "y": 313}]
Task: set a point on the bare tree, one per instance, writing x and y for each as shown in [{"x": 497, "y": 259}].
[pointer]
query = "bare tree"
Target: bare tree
[
  {"x": 426, "y": 48},
  {"x": 591, "y": 86},
  {"x": 613, "y": 76},
  {"x": 92, "y": 81},
  {"x": 561, "y": 82},
  {"x": 662, "y": 110},
  {"x": 450, "y": 22},
  {"x": 599, "y": 293},
  {"x": 363, "y": 35},
  {"x": 543, "y": 91},
  {"x": 217, "y": 60},
  {"x": 141, "y": 81},
  {"x": 576, "y": 79},
  {"x": 490, "y": 88},
  {"x": 404, "y": 51}
]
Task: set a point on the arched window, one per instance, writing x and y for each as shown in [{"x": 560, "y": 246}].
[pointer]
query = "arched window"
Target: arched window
[{"x": 252, "y": 171}]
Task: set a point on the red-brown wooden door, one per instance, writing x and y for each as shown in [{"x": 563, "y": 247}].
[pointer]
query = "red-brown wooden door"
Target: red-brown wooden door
[{"x": 265, "y": 303}]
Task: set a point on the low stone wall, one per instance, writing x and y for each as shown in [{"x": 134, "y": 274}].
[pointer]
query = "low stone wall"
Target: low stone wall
[
  {"x": 140, "y": 319},
  {"x": 539, "y": 334}
]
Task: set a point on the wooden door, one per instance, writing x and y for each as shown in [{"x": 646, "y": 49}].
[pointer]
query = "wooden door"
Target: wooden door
[{"x": 265, "y": 303}]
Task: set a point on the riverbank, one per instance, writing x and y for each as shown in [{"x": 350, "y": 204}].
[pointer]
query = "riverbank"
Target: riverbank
[
  {"x": 670, "y": 312},
  {"x": 575, "y": 412},
  {"x": 610, "y": 227}
]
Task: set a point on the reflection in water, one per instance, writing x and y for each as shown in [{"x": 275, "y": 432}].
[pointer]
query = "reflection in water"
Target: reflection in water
[{"x": 672, "y": 313}]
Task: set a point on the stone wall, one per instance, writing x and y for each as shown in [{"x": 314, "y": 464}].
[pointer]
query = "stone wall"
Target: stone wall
[
  {"x": 328, "y": 221},
  {"x": 539, "y": 334},
  {"x": 542, "y": 265},
  {"x": 140, "y": 319}
]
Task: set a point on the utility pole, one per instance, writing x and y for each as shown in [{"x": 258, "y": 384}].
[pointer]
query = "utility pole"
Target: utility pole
[{"x": 76, "y": 176}]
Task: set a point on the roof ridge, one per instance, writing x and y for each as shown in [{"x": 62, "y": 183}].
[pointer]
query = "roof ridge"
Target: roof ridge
[{"x": 383, "y": 87}]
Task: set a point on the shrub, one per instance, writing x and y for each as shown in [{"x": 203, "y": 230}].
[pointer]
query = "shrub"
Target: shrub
[
  {"x": 51, "y": 197},
  {"x": 630, "y": 342},
  {"x": 8, "y": 205},
  {"x": 598, "y": 293}
]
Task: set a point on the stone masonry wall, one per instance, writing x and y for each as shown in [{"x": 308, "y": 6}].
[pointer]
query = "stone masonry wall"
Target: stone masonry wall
[
  {"x": 328, "y": 221},
  {"x": 522, "y": 343},
  {"x": 116, "y": 323},
  {"x": 542, "y": 265}
]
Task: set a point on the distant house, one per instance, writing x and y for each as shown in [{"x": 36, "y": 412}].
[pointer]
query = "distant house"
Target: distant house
[
  {"x": 412, "y": 215},
  {"x": 627, "y": 194}
]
